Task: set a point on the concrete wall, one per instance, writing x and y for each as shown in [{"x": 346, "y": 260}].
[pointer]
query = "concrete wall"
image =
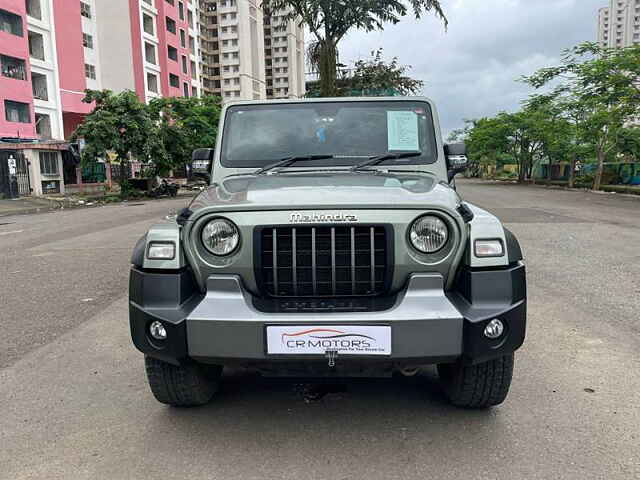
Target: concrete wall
[
  {"x": 35, "y": 176},
  {"x": 115, "y": 40}
]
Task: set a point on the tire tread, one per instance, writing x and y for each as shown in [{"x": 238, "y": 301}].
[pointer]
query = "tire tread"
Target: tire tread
[
  {"x": 180, "y": 385},
  {"x": 478, "y": 386}
]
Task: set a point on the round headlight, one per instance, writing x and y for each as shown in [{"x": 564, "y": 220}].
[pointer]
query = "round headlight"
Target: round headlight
[
  {"x": 220, "y": 236},
  {"x": 429, "y": 234}
]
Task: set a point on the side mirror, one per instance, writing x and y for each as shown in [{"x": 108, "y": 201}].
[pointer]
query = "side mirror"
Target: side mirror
[
  {"x": 457, "y": 161},
  {"x": 202, "y": 162}
]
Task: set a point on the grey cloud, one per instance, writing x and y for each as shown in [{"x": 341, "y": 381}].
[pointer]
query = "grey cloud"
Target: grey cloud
[{"x": 471, "y": 70}]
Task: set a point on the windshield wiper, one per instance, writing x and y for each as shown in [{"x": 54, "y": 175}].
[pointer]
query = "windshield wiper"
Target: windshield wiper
[
  {"x": 381, "y": 158},
  {"x": 285, "y": 162}
]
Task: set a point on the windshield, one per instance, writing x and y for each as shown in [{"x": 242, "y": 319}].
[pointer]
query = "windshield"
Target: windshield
[{"x": 257, "y": 135}]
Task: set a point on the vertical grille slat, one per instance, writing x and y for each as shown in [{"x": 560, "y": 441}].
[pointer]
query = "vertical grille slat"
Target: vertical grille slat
[
  {"x": 274, "y": 260},
  {"x": 372, "y": 238},
  {"x": 294, "y": 261},
  {"x": 323, "y": 261},
  {"x": 313, "y": 262},
  {"x": 353, "y": 260},
  {"x": 333, "y": 260}
]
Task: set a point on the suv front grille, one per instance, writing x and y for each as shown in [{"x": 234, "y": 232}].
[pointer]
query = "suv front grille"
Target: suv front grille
[{"x": 323, "y": 261}]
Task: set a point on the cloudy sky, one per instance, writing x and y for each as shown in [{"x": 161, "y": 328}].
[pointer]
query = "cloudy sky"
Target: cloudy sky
[{"x": 470, "y": 70}]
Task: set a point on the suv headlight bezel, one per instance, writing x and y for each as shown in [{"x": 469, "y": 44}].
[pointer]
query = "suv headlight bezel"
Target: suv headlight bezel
[
  {"x": 223, "y": 223},
  {"x": 437, "y": 223}
]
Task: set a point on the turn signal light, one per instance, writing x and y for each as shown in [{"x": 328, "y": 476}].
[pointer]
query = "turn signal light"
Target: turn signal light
[
  {"x": 489, "y": 248},
  {"x": 161, "y": 251}
]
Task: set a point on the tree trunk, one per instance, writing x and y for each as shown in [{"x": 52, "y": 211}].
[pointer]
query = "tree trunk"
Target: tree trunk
[
  {"x": 572, "y": 170},
  {"x": 521, "y": 170},
  {"x": 549, "y": 172},
  {"x": 328, "y": 69},
  {"x": 597, "y": 181}
]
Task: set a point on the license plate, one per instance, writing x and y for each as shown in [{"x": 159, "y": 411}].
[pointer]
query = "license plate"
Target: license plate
[{"x": 318, "y": 340}]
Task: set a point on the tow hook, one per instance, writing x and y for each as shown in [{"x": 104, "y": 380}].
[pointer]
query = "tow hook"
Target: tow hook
[{"x": 331, "y": 355}]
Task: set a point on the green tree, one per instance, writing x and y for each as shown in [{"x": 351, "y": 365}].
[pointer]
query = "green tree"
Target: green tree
[
  {"x": 603, "y": 81},
  {"x": 549, "y": 126},
  {"x": 184, "y": 124},
  {"x": 119, "y": 123},
  {"x": 373, "y": 77},
  {"x": 330, "y": 20}
]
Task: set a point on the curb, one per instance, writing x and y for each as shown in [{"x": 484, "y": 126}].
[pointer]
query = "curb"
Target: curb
[{"x": 559, "y": 187}]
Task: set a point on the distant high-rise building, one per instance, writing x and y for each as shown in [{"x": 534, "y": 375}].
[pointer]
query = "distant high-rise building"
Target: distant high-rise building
[
  {"x": 51, "y": 51},
  {"x": 244, "y": 56},
  {"x": 619, "y": 24}
]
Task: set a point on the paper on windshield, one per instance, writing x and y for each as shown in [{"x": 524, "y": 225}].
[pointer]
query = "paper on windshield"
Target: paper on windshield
[{"x": 402, "y": 131}]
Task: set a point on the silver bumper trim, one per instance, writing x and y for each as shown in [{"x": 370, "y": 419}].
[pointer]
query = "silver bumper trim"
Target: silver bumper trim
[{"x": 226, "y": 325}]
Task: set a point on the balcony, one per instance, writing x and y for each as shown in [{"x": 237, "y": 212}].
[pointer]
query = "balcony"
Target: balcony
[
  {"x": 39, "y": 86},
  {"x": 12, "y": 67}
]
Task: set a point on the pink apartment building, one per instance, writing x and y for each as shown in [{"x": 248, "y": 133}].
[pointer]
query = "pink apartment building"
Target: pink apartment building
[{"x": 52, "y": 50}]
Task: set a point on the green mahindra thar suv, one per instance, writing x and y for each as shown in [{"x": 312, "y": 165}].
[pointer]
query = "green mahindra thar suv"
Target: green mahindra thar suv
[{"x": 330, "y": 242}]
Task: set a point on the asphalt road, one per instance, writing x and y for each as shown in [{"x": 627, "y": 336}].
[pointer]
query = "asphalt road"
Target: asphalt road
[{"x": 74, "y": 403}]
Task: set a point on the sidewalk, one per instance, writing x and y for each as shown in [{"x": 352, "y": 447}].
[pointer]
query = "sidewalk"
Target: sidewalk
[{"x": 26, "y": 205}]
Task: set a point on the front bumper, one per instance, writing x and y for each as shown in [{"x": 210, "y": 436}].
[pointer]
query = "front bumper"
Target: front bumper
[{"x": 428, "y": 325}]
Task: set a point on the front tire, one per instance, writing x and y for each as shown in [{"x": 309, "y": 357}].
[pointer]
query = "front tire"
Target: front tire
[
  {"x": 186, "y": 385},
  {"x": 477, "y": 386}
]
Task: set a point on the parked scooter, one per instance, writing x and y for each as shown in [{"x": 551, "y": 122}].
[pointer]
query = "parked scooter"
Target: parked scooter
[{"x": 164, "y": 188}]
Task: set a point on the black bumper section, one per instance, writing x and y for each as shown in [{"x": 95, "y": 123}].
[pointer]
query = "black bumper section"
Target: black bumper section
[{"x": 479, "y": 295}]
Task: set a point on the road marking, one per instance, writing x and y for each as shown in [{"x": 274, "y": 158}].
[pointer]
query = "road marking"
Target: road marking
[
  {"x": 46, "y": 254},
  {"x": 9, "y": 233}
]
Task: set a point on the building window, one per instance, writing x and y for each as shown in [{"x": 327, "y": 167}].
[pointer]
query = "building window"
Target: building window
[
  {"x": 90, "y": 71},
  {"x": 148, "y": 24},
  {"x": 193, "y": 69},
  {"x": 16, "y": 112},
  {"x": 170, "y": 2},
  {"x": 183, "y": 39},
  {"x": 174, "y": 81},
  {"x": 194, "y": 91},
  {"x": 152, "y": 83},
  {"x": 85, "y": 10},
  {"x": 185, "y": 89},
  {"x": 48, "y": 163},
  {"x": 11, "y": 23},
  {"x": 33, "y": 9},
  {"x": 150, "y": 53},
  {"x": 190, "y": 17},
  {"x": 36, "y": 46},
  {"x": 13, "y": 67},
  {"x": 173, "y": 53},
  {"x": 192, "y": 45},
  {"x": 87, "y": 41},
  {"x": 185, "y": 69},
  {"x": 43, "y": 126},
  {"x": 171, "y": 25},
  {"x": 181, "y": 10},
  {"x": 39, "y": 86}
]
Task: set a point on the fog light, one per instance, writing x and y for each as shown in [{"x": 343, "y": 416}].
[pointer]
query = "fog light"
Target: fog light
[
  {"x": 157, "y": 331},
  {"x": 494, "y": 329}
]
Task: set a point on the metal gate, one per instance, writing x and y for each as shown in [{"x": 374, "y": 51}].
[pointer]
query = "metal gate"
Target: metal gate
[{"x": 14, "y": 182}]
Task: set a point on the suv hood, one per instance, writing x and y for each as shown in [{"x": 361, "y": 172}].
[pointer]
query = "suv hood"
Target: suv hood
[{"x": 326, "y": 190}]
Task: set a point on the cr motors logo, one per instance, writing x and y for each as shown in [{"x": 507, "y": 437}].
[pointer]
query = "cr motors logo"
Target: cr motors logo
[{"x": 327, "y": 338}]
